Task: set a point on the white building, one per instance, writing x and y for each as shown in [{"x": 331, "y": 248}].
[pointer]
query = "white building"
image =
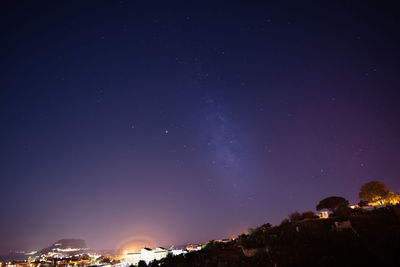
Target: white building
[
  {"x": 148, "y": 255},
  {"x": 133, "y": 258}
]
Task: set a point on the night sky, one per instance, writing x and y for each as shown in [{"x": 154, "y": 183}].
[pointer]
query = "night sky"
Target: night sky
[{"x": 178, "y": 123}]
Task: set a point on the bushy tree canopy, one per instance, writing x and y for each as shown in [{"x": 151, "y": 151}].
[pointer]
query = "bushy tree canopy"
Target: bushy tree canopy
[
  {"x": 373, "y": 191},
  {"x": 309, "y": 215},
  {"x": 295, "y": 216},
  {"x": 332, "y": 203}
]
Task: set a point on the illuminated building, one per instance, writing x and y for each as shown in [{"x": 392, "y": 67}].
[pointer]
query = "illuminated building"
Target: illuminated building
[
  {"x": 323, "y": 215},
  {"x": 149, "y": 255}
]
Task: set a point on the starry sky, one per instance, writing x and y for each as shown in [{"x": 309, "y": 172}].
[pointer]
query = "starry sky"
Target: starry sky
[{"x": 181, "y": 122}]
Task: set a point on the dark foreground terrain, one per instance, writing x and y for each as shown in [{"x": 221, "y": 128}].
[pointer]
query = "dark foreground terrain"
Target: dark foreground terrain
[{"x": 358, "y": 239}]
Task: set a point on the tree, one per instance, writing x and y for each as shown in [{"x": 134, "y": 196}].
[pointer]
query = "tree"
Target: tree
[
  {"x": 251, "y": 230},
  {"x": 309, "y": 215},
  {"x": 284, "y": 222},
  {"x": 342, "y": 210},
  {"x": 295, "y": 216},
  {"x": 392, "y": 199},
  {"x": 374, "y": 191},
  {"x": 332, "y": 203},
  {"x": 142, "y": 264},
  {"x": 263, "y": 228}
]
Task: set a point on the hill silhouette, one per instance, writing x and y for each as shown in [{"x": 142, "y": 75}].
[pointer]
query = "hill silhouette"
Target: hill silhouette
[
  {"x": 358, "y": 239},
  {"x": 66, "y": 244}
]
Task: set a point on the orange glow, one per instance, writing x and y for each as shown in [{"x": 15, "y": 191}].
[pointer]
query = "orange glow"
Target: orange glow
[{"x": 135, "y": 245}]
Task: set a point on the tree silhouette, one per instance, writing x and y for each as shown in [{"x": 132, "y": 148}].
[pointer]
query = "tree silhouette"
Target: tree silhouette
[
  {"x": 309, "y": 215},
  {"x": 332, "y": 203},
  {"x": 295, "y": 216},
  {"x": 374, "y": 191}
]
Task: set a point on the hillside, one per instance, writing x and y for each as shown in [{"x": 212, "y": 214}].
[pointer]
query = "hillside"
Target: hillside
[
  {"x": 65, "y": 244},
  {"x": 370, "y": 239}
]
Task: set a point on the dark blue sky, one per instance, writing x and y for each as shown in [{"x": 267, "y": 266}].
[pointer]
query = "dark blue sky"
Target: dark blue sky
[{"x": 180, "y": 122}]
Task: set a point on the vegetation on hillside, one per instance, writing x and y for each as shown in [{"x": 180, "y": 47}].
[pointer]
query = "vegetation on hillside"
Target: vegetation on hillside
[{"x": 349, "y": 237}]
